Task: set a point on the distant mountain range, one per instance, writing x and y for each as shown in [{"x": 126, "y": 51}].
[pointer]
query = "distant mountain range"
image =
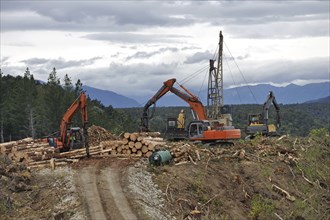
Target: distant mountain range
[
  {"x": 290, "y": 94},
  {"x": 322, "y": 100},
  {"x": 110, "y": 98}
]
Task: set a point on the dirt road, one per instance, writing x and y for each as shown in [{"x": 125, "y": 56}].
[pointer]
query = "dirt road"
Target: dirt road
[{"x": 102, "y": 192}]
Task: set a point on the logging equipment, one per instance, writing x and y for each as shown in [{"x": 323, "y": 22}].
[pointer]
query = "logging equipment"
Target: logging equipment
[
  {"x": 201, "y": 129},
  {"x": 69, "y": 138},
  {"x": 258, "y": 123},
  {"x": 210, "y": 124}
]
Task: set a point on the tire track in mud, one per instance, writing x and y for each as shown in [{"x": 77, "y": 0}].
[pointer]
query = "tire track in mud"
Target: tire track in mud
[
  {"x": 89, "y": 190},
  {"x": 103, "y": 194}
]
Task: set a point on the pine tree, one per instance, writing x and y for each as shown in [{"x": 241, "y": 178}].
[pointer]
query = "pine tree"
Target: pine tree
[
  {"x": 78, "y": 88},
  {"x": 53, "y": 80},
  {"x": 29, "y": 101},
  {"x": 68, "y": 83},
  {"x": 54, "y": 101}
]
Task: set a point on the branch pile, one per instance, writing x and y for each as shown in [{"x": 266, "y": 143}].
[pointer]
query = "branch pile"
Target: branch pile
[{"x": 96, "y": 134}]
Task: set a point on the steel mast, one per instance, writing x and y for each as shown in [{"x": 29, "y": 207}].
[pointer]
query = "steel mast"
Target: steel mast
[{"x": 215, "y": 86}]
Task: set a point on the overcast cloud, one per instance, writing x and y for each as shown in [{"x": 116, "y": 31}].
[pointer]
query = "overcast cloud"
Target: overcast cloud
[{"x": 132, "y": 47}]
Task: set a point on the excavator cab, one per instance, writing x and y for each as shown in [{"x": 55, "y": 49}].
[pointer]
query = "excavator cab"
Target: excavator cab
[
  {"x": 256, "y": 125},
  {"x": 254, "y": 119},
  {"x": 197, "y": 128},
  {"x": 75, "y": 138}
]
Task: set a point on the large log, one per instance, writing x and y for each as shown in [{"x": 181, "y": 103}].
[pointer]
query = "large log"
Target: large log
[
  {"x": 131, "y": 144},
  {"x": 138, "y": 145},
  {"x": 151, "y": 134},
  {"x": 148, "y": 154},
  {"x": 133, "y": 136},
  {"x": 125, "y": 141},
  {"x": 144, "y": 149}
]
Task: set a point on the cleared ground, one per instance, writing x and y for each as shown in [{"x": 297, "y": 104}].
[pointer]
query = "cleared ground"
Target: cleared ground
[{"x": 287, "y": 178}]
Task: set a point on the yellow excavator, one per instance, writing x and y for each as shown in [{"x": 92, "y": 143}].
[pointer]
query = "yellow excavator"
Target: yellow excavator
[{"x": 258, "y": 123}]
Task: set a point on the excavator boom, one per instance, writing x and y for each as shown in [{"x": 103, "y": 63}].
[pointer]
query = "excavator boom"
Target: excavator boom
[{"x": 193, "y": 101}]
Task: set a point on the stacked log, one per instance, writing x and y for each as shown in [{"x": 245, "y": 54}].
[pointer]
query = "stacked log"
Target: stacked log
[
  {"x": 38, "y": 154},
  {"x": 139, "y": 144},
  {"x": 26, "y": 150}
]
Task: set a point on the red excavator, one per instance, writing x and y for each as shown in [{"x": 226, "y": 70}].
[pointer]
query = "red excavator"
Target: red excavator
[
  {"x": 71, "y": 137},
  {"x": 200, "y": 129}
]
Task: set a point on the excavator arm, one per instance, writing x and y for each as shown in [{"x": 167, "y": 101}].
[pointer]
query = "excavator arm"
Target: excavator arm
[
  {"x": 271, "y": 100},
  {"x": 79, "y": 103},
  {"x": 186, "y": 96},
  {"x": 160, "y": 93}
]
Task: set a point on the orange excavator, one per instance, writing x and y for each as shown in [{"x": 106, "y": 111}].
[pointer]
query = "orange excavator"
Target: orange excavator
[
  {"x": 201, "y": 129},
  {"x": 71, "y": 137}
]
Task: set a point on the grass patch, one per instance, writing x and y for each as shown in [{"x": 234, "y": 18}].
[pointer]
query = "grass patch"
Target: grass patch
[{"x": 261, "y": 208}]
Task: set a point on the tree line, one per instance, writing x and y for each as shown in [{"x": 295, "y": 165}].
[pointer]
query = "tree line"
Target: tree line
[
  {"x": 31, "y": 108},
  {"x": 296, "y": 119}
]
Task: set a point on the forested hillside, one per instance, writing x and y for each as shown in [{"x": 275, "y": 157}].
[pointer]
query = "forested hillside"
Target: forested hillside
[
  {"x": 29, "y": 108},
  {"x": 296, "y": 119}
]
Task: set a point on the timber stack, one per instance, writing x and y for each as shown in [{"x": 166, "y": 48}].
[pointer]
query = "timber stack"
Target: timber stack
[
  {"x": 38, "y": 154},
  {"x": 140, "y": 144}
]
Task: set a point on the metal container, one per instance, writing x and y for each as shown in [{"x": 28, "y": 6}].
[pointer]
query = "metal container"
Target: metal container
[{"x": 160, "y": 157}]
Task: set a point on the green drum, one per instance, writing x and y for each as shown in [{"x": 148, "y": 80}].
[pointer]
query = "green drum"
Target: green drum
[{"x": 160, "y": 157}]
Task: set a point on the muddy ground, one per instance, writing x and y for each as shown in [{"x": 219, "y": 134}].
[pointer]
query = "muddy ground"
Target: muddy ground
[{"x": 258, "y": 179}]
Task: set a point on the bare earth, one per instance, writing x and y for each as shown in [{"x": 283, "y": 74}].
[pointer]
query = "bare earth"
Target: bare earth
[
  {"x": 102, "y": 193},
  {"x": 237, "y": 182}
]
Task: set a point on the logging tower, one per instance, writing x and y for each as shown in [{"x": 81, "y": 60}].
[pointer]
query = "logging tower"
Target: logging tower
[
  {"x": 215, "y": 85},
  {"x": 215, "y": 99}
]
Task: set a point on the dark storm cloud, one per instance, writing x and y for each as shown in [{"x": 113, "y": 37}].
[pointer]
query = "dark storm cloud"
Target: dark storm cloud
[
  {"x": 199, "y": 57},
  {"x": 146, "y": 55},
  {"x": 59, "y": 63},
  {"x": 239, "y": 18}
]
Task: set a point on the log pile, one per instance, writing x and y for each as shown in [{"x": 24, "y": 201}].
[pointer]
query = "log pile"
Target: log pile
[
  {"x": 27, "y": 150},
  {"x": 139, "y": 144},
  {"x": 38, "y": 154},
  {"x": 35, "y": 153}
]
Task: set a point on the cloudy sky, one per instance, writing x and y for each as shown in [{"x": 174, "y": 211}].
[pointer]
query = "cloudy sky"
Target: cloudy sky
[{"x": 131, "y": 47}]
